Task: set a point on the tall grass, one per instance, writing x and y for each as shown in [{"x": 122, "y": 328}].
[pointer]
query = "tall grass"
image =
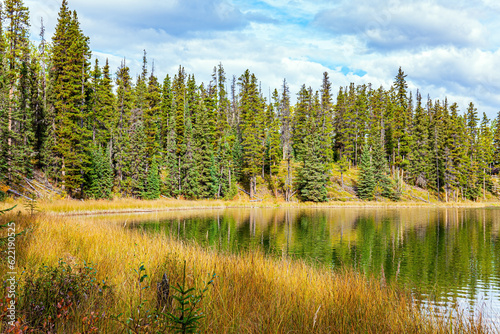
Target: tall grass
[
  {"x": 73, "y": 207},
  {"x": 252, "y": 293}
]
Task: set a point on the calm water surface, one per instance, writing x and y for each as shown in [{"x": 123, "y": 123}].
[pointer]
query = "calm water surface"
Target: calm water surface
[{"x": 446, "y": 256}]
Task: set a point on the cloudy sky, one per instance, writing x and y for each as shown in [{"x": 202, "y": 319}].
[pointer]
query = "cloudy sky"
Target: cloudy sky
[{"x": 448, "y": 48}]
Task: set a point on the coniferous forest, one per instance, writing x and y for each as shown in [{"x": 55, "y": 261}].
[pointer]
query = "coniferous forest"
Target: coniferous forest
[{"x": 98, "y": 132}]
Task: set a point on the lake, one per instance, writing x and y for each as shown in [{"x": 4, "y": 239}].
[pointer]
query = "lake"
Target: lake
[{"x": 446, "y": 257}]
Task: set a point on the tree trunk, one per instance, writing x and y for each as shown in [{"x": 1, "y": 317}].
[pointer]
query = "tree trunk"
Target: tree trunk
[
  {"x": 288, "y": 183},
  {"x": 251, "y": 187},
  {"x": 63, "y": 173},
  {"x": 484, "y": 184},
  {"x": 9, "y": 138},
  {"x": 179, "y": 175}
]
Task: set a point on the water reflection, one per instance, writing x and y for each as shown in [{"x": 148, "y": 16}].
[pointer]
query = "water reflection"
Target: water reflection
[{"x": 448, "y": 256}]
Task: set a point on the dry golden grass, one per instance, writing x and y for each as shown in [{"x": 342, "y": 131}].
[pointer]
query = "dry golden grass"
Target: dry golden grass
[
  {"x": 123, "y": 205},
  {"x": 252, "y": 293}
]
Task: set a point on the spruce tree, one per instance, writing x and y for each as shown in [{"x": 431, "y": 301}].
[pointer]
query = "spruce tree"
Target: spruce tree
[
  {"x": 420, "y": 156},
  {"x": 313, "y": 176},
  {"x": 152, "y": 118},
  {"x": 68, "y": 98},
  {"x": 366, "y": 180},
  {"x": 384, "y": 185},
  {"x": 17, "y": 119},
  {"x": 285, "y": 113},
  {"x": 301, "y": 121},
  {"x": 252, "y": 132},
  {"x": 152, "y": 186},
  {"x": 496, "y": 141},
  {"x": 103, "y": 116},
  {"x": 124, "y": 106},
  {"x": 99, "y": 177}
]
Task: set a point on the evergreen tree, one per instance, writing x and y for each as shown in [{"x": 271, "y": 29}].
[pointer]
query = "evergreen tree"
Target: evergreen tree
[
  {"x": 99, "y": 178},
  {"x": 135, "y": 181},
  {"x": 301, "y": 123},
  {"x": 274, "y": 145},
  {"x": 485, "y": 154},
  {"x": 402, "y": 121},
  {"x": 366, "y": 180},
  {"x": 189, "y": 168},
  {"x": 384, "y": 185},
  {"x": 252, "y": 132},
  {"x": 152, "y": 118},
  {"x": 313, "y": 175},
  {"x": 152, "y": 187},
  {"x": 68, "y": 98},
  {"x": 103, "y": 117},
  {"x": 124, "y": 105},
  {"x": 326, "y": 119},
  {"x": 285, "y": 113},
  {"x": 496, "y": 141},
  {"x": 16, "y": 123},
  {"x": 420, "y": 156},
  {"x": 472, "y": 190}
]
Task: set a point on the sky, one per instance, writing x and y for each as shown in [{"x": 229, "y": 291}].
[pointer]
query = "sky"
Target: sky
[{"x": 447, "y": 48}]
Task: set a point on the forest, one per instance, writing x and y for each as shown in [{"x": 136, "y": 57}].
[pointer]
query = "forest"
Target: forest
[{"x": 97, "y": 132}]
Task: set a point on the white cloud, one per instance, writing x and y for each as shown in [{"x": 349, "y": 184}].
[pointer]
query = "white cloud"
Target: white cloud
[
  {"x": 403, "y": 25},
  {"x": 446, "y": 48}
]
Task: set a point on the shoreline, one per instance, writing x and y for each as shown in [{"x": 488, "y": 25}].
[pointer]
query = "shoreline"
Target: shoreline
[{"x": 67, "y": 207}]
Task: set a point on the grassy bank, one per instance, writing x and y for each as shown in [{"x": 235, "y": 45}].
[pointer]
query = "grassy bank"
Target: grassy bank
[
  {"x": 71, "y": 207},
  {"x": 251, "y": 292}
]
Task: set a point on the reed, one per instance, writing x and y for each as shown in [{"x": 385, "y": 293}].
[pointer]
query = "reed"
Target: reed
[
  {"x": 252, "y": 293},
  {"x": 70, "y": 207}
]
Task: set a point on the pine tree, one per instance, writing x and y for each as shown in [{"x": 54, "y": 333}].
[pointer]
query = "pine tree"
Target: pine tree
[
  {"x": 135, "y": 181},
  {"x": 472, "y": 190},
  {"x": 274, "y": 145},
  {"x": 485, "y": 154},
  {"x": 189, "y": 168},
  {"x": 342, "y": 167},
  {"x": 203, "y": 142},
  {"x": 17, "y": 119},
  {"x": 68, "y": 97},
  {"x": 124, "y": 105},
  {"x": 152, "y": 118},
  {"x": 366, "y": 180},
  {"x": 99, "y": 177},
  {"x": 286, "y": 118},
  {"x": 496, "y": 141},
  {"x": 402, "y": 121},
  {"x": 301, "y": 123},
  {"x": 313, "y": 175},
  {"x": 179, "y": 110},
  {"x": 103, "y": 116},
  {"x": 152, "y": 187},
  {"x": 384, "y": 185},
  {"x": 419, "y": 156},
  {"x": 252, "y": 132},
  {"x": 326, "y": 119}
]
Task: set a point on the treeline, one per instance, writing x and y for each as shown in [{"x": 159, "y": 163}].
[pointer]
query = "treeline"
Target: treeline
[{"x": 99, "y": 134}]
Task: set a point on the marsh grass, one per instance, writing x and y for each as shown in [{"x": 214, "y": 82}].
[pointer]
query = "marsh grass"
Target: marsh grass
[
  {"x": 70, "y": 207},
  {"x": 252, "y": 293}
]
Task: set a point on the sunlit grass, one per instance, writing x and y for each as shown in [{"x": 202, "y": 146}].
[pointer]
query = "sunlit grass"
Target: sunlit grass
[
  {"x": 72, "y": 207},
  {"x": 252, "y": 292}
]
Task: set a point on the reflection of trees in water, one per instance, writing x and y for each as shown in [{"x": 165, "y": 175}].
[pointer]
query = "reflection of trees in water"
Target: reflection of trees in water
[{"x": 452, "y": 250}]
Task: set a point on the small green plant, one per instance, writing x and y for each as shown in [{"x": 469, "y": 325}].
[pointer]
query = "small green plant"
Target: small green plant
[
  {"x": 52, "y": 295},
  {"x": 141, "y": 319},
  {"x": 4, "y": 240},
  {"x": 31, "y": 205},
  {"x": 188, "y": 300}
]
